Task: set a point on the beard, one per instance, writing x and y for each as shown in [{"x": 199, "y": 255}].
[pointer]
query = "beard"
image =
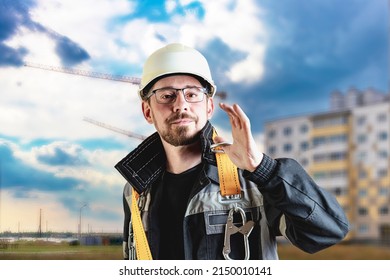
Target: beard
[{"x": 179, "y": 136}]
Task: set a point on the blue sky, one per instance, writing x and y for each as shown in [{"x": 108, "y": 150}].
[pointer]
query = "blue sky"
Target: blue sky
[{"x": 274, "y": 58}]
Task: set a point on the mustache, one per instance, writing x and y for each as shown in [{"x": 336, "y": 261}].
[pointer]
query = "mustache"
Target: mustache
[{"x": 179, "y": 116}]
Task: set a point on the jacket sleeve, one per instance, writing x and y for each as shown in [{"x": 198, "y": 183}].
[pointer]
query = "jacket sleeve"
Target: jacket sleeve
[
  {"x": 126, "y": 222},
  {"x": 296, "y": 207}
]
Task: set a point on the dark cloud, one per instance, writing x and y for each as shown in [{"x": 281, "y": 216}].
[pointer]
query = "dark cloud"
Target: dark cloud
[
  {"x": 220, "y": 57},
  {"x": 314, "y": 47},
  {"x": 62, "y": 157},
  {"x": 70, "y": 52},
  {"x": 11, "y": 56},
  {"x": 15, "y": 14},
  {"x": 325, "y": 43}
]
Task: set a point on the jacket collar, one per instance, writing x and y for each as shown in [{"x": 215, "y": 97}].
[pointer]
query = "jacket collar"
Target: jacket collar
[{"x": 146, "y": 163}]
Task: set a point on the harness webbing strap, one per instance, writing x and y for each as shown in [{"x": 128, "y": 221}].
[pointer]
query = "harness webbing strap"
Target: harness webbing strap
[
  {"x": 228, "y": 175},
  {"x": 141, "y": 242}
]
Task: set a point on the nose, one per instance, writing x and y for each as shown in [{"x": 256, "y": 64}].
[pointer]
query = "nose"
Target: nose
[{"x": 180, "y": 103}]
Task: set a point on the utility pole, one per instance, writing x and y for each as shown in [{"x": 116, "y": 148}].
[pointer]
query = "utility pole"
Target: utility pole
[
  {"x": 81, "y": 208},
  {"x": 40, "y": 223}
]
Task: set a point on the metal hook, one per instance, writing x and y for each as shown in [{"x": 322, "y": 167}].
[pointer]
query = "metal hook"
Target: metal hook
[
  {"x": 231, "y": 229},
  {"x": 216, "y": 148}
]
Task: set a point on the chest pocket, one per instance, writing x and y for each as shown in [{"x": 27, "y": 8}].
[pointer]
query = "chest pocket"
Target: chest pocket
[{"x": 215, "y": 221}]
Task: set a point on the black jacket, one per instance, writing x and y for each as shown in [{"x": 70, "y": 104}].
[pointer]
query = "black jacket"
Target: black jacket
[{"x": 279, "y": 196}]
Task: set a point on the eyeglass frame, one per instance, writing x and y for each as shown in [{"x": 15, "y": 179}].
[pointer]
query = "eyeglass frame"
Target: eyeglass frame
[{"x": 204, "y": 90}]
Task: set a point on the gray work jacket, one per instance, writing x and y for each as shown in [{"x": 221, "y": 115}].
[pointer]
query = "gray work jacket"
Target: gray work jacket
[{"x": 279, "y": 196}]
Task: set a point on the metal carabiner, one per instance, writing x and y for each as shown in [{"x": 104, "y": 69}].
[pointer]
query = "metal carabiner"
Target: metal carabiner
[
  {"x": 217, "y": 147},
  {"x": 131, "y": 243},
  {"x": 231, "y": 229}
]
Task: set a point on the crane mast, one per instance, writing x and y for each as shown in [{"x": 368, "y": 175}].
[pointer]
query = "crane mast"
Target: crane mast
[
  {"x": 115, "y": 129},
  {"x": 119, "y": 78}
]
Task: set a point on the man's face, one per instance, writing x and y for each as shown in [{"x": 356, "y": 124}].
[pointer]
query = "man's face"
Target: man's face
[{"x": 180, "y": 122}]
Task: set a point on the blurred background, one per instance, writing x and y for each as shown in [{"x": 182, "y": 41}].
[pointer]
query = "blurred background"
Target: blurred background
[{"x": 313, "y": 77}]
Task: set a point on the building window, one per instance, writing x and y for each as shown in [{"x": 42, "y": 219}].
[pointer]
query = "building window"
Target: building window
[
  {"x": 383, "y": 191},
  {"x": 272, "y": 150},
  {"x": 287, "y": 131},
  {"x": 360, "y": 120},
  {"x": 362, "y": 193},
  {"x": 362, "y": 211},
  {"x": 384, "y": 210},
  {"x": 317, "y": 141},
  {"x": 382, "y": 173},
  {"x": 272, "y": 133},
  {"x": 383, "y": 154},
  {"x": 338, "y": 191},
  {"x": 362, "y": 174},
  {"x": 287, "y": 147},
  {"x": 339, "y": 138},
  {"x": 330, "y": 174},
  {"x": 319, "y": 175},
  {"x": 304, "y": 146},
  {"x": 382, "y": 135},
  {"x": 319, "y": 158},
  {"x": 304, "y": 128},
  {"x": 338, "y": 156},
  {"x": 363, "y": 228},
  {"x": 361, "y": 138},
  {"x": 362, "y": 155}
]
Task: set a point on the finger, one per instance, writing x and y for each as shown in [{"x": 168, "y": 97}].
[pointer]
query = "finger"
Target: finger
[
  {"x": 242, "y": 117},
  {"x": 233, "y": 116}
]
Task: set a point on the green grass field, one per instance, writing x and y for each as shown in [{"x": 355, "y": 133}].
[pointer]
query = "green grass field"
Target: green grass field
[{"x": 50, "y": 251}]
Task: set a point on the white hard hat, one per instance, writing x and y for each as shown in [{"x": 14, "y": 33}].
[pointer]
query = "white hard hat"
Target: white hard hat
[{"x": 175, "y": 59}]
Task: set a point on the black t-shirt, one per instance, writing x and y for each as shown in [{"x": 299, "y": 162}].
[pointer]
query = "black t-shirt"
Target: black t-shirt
[{"x": 176, "y": 192}]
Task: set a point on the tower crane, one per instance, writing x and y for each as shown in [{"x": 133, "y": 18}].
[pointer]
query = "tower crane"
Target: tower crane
[
  {"x": 115, "y": 129},
  {"x": 119, "y": 78}
]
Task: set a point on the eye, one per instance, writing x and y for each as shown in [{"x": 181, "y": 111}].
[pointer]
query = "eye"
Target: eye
[
  {"x": 167, "y": 96},
  {"x": 192, "y": 93}
]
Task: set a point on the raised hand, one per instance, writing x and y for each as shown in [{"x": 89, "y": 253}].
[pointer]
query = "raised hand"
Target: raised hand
[{"x": 243, "y": 152}]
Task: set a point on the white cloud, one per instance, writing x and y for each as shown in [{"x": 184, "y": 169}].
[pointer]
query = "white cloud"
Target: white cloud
[
  {"x": 236, "y": 23},
  {"x": 250, "y": 69},
  {"x": 37, "y": 103},
  {"x": 86, "y": 22},
  {"x": 95, "y": 171}
]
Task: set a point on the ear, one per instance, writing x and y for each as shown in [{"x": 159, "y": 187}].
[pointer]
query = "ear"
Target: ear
[
  {"x": 210, "y": 108},
  {"x": 146, "y": 110}
]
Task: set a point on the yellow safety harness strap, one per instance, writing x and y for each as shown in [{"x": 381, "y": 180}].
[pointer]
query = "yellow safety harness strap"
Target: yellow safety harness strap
[
  {"x": 141, "y": 242},
  {"x": 227, "y": 173}
]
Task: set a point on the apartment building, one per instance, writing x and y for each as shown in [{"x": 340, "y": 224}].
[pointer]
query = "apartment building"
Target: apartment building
[{"x": 347, "y": 151}]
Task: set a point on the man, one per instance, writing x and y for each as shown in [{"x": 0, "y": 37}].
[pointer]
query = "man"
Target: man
[{"x": 176, "y": 174}]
